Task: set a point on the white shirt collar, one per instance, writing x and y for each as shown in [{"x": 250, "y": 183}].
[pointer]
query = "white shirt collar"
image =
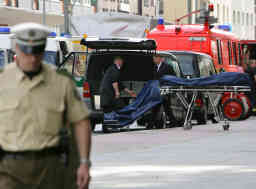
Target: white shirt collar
[
  {"x": 158, "y": 66},
  {"x": 118, "y": 67}
]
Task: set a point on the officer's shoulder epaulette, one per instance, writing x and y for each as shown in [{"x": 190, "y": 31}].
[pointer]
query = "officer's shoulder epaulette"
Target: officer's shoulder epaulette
[{"x": 64, "y": 73}]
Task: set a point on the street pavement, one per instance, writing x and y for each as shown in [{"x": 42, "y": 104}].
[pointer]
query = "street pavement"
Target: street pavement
[{"x": 205, "y": 157}]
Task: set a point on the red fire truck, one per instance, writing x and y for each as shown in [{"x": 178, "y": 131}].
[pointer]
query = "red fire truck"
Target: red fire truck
[{"x": 223, "y": 46}]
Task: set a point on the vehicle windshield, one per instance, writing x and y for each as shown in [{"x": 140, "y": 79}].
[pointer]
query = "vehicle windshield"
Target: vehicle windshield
[
  {"x": 174, "y": 65},
  {"x": 186, "y": 64},
  {"x": 50, "y": 57}
]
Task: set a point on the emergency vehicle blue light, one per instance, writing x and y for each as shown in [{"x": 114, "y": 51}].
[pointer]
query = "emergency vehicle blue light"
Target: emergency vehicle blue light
[
  {"x": 65, "y": 35},
  {"x": 52, "y": 34},
  {"x": 5, "y": 30},
  {"x": 225, "y": 27},
  {"x": 160, "y": 21}
]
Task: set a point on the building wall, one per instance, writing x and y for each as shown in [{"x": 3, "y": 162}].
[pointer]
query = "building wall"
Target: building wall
[
  {"x": 107, "y": 6},
  {"x": 239, "y": 14},
  {"x": 174, "y": 9},
  {"x": 134, "y": 7},
  {"x": 149, "y": 8},
  {"x": 197, "y": 5}
]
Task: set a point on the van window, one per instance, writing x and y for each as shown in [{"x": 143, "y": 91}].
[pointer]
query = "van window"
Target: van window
[
  {"x": 219, "y": 48},
  {"x": 50, "y": 57},
  {"x": 203, "y": 66},
  {"x": 174, "y": 65},
  {"x": 186, "y": 64},
  {"x": 239, "y": 55},
  {"x": 229, "y": 53},
  {"x": 206, "y": 66},
  {"x": 234, "y": 53}
]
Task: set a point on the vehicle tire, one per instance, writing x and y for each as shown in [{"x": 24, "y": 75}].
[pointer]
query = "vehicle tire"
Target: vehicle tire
[
  {"x": 233, "y": 109},
  {"x": 178, "y": 111},
  {"x": 161, "y": 118},
  {"x": 105, "y": 129},
  {"x": 93, "y": 124},
  {"x": 149, "y": 125},
  {"x": 161, "y": 121},
  {"x": 202, "y": 117},
  {"x": 247, "y": 107}
]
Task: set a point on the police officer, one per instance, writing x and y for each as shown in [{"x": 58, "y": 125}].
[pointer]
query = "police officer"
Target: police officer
[{"x": 35, "y": 103}]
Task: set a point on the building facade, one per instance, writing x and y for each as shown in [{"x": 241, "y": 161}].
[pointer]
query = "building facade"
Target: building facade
[
  {"x": 240, "y": 15},
  {"x": 137, "y": 7},
  {"x": 17, "y": 11},
  {"x": 171, "y": 10}
]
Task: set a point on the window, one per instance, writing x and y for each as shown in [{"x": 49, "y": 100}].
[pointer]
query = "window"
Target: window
[
  {"x": 218, "y": 11},
  {"x": 224, "y": 14},
  {"x": 229, "y": 53},
  {"x": 77, "y": 1},
  {"x": 87, "y": 2},
  {"x": 146, "y": 3},
  {"x": 152, "y": 3},
  {"x": 228, "y": 15},
  {"x": 174, "y": 65},
  {"x": 239, "y": 55},
  {"x": 161, "y": 7},
  {"x": 219, "y": 49},
  {"x": 36, "y": 5},
  {"x": 124, "y": 1},
  {"x": 234, "y": 53},
  {"x": 247, "y": 19},
  {"x": 206, "y": 66},
  {"x": 187, "y": 64},
  {"x": 243, "y": 19},
  {"x": 238, "y": 17},
  {"x": 50, "y": 57},
  {"x": 234, "y": 17}
]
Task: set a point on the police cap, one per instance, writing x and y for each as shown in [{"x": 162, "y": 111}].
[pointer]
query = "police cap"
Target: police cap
[{"x": 31, "y": 37}]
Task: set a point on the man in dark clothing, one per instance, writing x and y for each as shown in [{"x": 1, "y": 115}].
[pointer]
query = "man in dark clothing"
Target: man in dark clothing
[
  {"x": 251, "y": 71},
  {"x": 161, "y": 69},
  {"x": 111, "y": 86}
]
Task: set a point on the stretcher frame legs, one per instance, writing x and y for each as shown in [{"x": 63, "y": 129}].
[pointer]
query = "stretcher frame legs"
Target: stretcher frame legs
[{"x": 188, "y": 105}]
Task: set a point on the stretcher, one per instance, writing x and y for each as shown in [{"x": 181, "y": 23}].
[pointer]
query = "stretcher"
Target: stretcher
[{"x": 182, "y": 92}]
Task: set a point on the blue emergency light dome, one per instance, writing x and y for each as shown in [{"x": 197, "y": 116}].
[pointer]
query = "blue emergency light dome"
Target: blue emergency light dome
[
  {"x": 65, "y": 35},
  {"x": 225, "y": 27},
  {"x": 5, "y": 30},
  {"x": 160, "y": 21},
  {"x": 52, "y": 34}
]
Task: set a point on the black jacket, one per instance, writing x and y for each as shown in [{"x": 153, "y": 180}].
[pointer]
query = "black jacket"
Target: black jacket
[
  {"x": 107, "y": 91},
  {"x": 165, "y": 69}
]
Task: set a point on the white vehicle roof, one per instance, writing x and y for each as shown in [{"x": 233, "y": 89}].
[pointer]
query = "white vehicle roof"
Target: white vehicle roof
[
  {"x": 6, "y": 41},
  {"x": 51, "y": 44}
]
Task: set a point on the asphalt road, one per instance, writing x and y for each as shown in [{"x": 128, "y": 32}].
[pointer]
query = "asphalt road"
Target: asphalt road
[{"x": 205, "y": 157}]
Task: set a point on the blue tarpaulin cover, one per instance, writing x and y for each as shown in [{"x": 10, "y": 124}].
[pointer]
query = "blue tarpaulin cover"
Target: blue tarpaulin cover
[
  {"x": 146, "y": 99},
  {"x": 222, "y": 79},
  {"x": 150, "y": 94}
]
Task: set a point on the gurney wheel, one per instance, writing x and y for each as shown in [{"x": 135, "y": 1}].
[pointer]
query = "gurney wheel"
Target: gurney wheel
[
  {"x": 105, "y": 129},
  {"x": 187, "y": 126},
  {"x": 226, "y": 127}
]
